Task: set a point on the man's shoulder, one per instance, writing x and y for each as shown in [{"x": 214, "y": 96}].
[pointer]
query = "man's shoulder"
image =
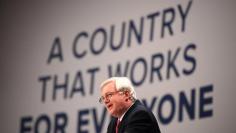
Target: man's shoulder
[
  {"x": 138, "y": 106},
  {"x": 139, "y": 110}
]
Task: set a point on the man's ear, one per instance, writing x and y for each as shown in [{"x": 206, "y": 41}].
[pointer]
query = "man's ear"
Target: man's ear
[{"x": 127, "y": 94}]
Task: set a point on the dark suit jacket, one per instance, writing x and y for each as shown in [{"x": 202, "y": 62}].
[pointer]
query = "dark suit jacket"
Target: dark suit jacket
[{"x": 138, "y": 119}]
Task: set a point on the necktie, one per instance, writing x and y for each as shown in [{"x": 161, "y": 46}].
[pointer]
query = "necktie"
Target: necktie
[{"x": 117, "y": 125}]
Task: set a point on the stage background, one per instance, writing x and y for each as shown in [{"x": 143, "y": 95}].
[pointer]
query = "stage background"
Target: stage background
[{"x": 179, "y": 54}]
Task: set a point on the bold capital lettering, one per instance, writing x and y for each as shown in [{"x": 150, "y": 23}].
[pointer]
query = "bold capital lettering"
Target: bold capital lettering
[
  {"x": 60, "y": 123},
  {"x": 81, "y": 121},
  {"x": 151, "y": 105},
  {"x": 122, "y": 35},
  {"x": 56, "y": 51},
  {"x": 143, "y": 74},
  {"x": 189, "y": 106},
  {"x": 80, "y": 88},
  {"x": 75, "y": 50},
  {"x": 190, "y": 59},
  {"x": 204, "y": 101},
  {"x": 171, "y": 63},
  {"x": 167, "y": 98},
  {"x": 118, "y": 70},
  {"x": 138, "y": 35},
  {"x": 92, "y": 71},
  {"x": 42, "y": 118},
  {"x": 156, "y": 69},
  {"x": 152, "y": 27},
  {"x": 167, "y": 23},
  {"x": 94, "y": 42},
  {"x": 184, "y": 14},
  {"x": 25, "y": 126},
  {"x": 63, "y": 86},
  {"x": 99, "y": 124},
  {"x": 44, "y": 80}
]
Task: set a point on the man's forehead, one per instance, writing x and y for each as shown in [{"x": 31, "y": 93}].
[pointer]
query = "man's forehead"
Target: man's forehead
[{"x": 109, "y": 86}]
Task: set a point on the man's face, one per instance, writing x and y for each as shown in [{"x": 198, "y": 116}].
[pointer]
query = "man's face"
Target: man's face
[{"x": 114, "y": 100}]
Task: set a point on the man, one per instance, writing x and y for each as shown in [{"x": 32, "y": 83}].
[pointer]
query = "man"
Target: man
[{"x": 128, "y": 114}]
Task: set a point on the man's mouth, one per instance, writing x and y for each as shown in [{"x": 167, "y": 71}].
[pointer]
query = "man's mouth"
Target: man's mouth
[{"x": 109, "y": 106}]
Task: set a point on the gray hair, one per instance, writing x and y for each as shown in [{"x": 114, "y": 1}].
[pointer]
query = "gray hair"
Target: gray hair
[{"x": 121, "y": 84}]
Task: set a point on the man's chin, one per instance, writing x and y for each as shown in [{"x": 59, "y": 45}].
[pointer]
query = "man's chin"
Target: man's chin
[{"x": 112, "y": 113}]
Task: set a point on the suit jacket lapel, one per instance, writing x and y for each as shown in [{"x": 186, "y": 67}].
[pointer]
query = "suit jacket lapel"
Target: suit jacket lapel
[
  {"x": 112, "y": 125},
  {"x": 126, "y": 116}
]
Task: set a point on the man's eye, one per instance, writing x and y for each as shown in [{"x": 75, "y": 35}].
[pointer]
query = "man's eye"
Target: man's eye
[{"x": 109, "y": 95}]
